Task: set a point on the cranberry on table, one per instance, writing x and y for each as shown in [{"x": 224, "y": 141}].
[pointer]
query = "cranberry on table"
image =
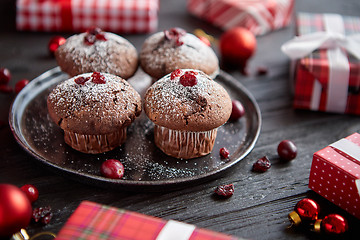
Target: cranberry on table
[
  {"x": 287, "y": 150},
  {"x": 42, "y": 214},
  {"x": 261, "y": 165},
  {"x": 5, "y": 76},
  {"x": 112, "y": 168},
  {"x": 20, "y": 85},
  {"x": 225, "y": 190},
  {"x": 237, "y": 110},
  {"x": 31, "y": 192}
]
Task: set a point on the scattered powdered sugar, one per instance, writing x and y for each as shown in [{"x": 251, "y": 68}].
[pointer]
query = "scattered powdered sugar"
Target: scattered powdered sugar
[
  {"x": 113, "y": 99},
  {"x": 156, "y": 49}
]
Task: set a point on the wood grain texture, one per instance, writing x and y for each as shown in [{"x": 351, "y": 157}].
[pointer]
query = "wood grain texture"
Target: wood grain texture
[{"x": 259, "y": 207}]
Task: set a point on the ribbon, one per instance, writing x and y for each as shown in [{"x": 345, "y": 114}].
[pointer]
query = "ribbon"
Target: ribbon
[
  {"x": 66, "y": 15},
  {"x": 351, "y": 149},
  {"x": 334, "y": 40}
]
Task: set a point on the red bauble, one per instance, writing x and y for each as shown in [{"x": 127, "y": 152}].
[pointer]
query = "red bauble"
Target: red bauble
[
  {"x": 334, "y": 224},
  {"x": 307, "y": 209},
  {"x": 237, "y": 45},
  {"x": 15, "y": 210},
  {"x": 55, "y": 42}
]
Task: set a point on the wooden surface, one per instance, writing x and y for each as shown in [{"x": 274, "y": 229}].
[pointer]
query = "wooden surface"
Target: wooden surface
[{"x": 261, "y": 203}]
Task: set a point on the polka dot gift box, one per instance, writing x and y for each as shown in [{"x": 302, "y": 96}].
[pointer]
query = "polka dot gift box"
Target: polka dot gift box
[{"x": 335, "y": 173}]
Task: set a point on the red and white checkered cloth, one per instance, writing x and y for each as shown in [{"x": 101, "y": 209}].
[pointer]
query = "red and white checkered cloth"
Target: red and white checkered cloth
[
  {"x": 95, "y": 221},
  {"x": 120, "y": 16},
  {"x": 312, "y": 72},
  {"x": 258, "y": 16}
]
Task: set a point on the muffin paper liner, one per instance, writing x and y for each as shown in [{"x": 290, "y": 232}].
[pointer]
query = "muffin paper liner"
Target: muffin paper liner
[{"x": 184, "y": 144}]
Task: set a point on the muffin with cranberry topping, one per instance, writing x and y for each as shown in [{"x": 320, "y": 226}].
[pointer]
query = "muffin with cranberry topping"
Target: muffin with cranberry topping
[
  {"x": 187, "y": 107},
  {"x": 166, "y": 51},
  {"x": 97, "y": 51},
  {"x": 94, "y": 110}
]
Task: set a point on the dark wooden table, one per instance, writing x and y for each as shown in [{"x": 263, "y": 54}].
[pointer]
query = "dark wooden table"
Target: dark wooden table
[{"x": 261, "y": 203}]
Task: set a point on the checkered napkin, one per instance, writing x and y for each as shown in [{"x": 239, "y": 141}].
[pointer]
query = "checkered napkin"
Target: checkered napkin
[
  {"x": 314, "y": 88},
  {"x": 121, "y": 16},
  {"x": 95, "y": 221},
  {"x": 258, "y": 16}
]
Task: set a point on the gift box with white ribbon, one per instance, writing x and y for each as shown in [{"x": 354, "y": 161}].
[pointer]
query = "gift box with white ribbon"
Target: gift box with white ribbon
[
  {"x": 258, "y": 16},
  {"x": 96, "y": 221},
  {"x": 120, "y": 16},
  {"x": 335, "y": 173},
  {"x": 326, "y": 65}
]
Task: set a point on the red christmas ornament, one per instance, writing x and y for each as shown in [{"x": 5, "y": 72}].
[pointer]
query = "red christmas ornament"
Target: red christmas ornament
[
  {"x": 305, "y": 210},
  {"x": 15, "y": 210},
  {"x": 237, "y": 45},
  {"x": 54, "y": 43},
  {"x": 331, "y": 224}
]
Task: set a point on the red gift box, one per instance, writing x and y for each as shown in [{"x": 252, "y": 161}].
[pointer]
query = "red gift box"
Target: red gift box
[
  {"x": 327, "y": 67},
  {"x": 335, "y": 173},
  {"x": 258, "y": 16},
  {"x": 121, "y": 16},
  {"x": 95, "y": 221}
]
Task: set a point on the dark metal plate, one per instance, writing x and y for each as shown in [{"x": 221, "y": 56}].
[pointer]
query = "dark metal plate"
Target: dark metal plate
[{"x": 146, "y": 167}]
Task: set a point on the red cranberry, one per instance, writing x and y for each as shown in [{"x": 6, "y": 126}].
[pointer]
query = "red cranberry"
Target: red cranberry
[
  {"x": 98, "y": 78},
  {"x": 101, "y": 37},
  {"x": 89, "y": 39},
  {"x": 94, "y": 30},
  {"x": 174, "y": 34},
  {"x": 112, "y": 168},
  {"x": 237, "y": 110},
  {"x": 40, "y": 212},
  {"x": 191, "y": 72},
  {"x": 20, "y": 85},
  {"x": 287, "y": 150},
  {"x": 81, "y": 80},
  {"x": 176, "y": 73},
  {"x": 224, "y": 153},
  {"x": 6, "y": 88},
  {"x": 261, "y": 165},
  {"x": 5, "y": 76},
  {"x": 55, "y": 42},
  {"x": 188, "y": 80},
  {"x": 47, "y": 218},
  {"x": 225, "y": 190},
  {"x": 262, "y": 71},
  {"x": 31, "y": 192}
]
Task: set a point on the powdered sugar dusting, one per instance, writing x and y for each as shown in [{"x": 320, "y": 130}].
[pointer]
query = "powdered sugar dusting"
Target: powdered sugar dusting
[
  {"x": 112, "y": 102},
  {"x": 156, "y": 49}
]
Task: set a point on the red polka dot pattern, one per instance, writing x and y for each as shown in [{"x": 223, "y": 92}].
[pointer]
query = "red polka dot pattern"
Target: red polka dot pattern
[{"x": 336, "y": 176}]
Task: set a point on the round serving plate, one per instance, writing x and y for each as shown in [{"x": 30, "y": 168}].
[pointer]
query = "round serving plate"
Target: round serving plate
[{"x": 146, "y": 167}]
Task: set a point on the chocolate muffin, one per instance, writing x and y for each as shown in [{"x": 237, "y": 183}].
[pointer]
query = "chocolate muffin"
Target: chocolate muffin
[
  {"x": 172, "y": 49},
  {"x": 94, "y": 110},
  {"x": 97, "y": 51},
  {"x": 187, "y": 107}
]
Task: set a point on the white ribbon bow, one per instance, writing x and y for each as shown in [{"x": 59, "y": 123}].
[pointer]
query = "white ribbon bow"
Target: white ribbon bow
[
  {"x": 334, "y": 40},
  {"x": 302, "y": 46}
]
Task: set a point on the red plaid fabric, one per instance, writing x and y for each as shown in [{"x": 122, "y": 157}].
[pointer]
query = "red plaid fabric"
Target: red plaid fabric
[
  {"x": 95, "y": 221},
  {"x": 121, "y": 16},
  {"x": 259, "y": 16},
  {"x": 313, "y": 71}
]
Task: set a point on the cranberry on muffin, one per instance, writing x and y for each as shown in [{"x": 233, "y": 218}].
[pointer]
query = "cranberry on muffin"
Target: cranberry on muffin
[
  {"x": 186, "y": 107},
  {"x": 172, "y": 49},
  {"x": 97, "y": 51},
  {"x": 94, "y": 110}
]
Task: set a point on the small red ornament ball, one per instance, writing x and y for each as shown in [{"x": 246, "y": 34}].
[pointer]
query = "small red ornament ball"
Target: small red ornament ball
[
  {"x": 334, "y": 224},
  {"x": 54, "y": 43},
  {"x": 237, "y": 45},
  {"x": 31, "y": 192},
  {"x": 307, "y": 209},
  {"x": 15, "y": 210}
]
